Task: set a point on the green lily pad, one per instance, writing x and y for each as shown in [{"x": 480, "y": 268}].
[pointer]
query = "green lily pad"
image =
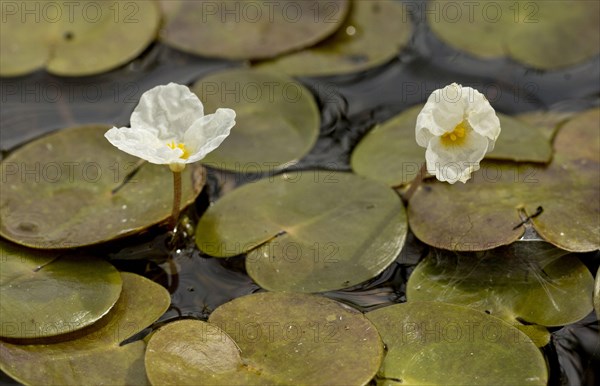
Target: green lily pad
[
  {"x": 249, "y": 29},
  {"x": 74, "y": 39},
  {"x": 528, "y": 282},
  {"x": 277, "y": 119},
  {"x": 444, "y": 344},
  {"x": 389, "y": 153},
  {"x": 540, "y": 34},
  {"x": 95, "y": 357},
  {"x": 268, "y": 338},
  {"x": 356, "y": 46},
  {"x": 307, "y": 231},
  {"x": 45, "y": 293},
  {"x": 57, "y": 191},
  {"x": 486, "y": 211}
]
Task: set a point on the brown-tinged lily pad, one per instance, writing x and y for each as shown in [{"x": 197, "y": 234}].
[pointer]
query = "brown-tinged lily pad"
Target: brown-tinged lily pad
[
  {"x": 486, "y": 211},
  {"x": 277, "y": 119},
  {"x": 67, "y": 190},
  {"x": 307, "y": 231},
  {"x": 374, "y": 32},
  {"x": 540, "y": 34},
  {"x": 74, "y": 38},
  {"x": 95, "y": 356},
  {"x": 445, "y": 344},
  {"x": 249, "y": 29},
  {"x": 268, "y": 338},
  {"x": 528, "y": 282},
  {"x": 389, "y": 153},
  {"x": 46, "y": 293}
]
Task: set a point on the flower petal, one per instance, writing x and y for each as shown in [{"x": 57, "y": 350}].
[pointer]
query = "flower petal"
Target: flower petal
[
  {"x": 167, "y": 111},
  {"x": 207, "y": 133},
  {"x": 142, "y": 144},
  {"x": 455, "y": 163},
  {"x": 481, "y": 116},
  {"x": 444, "y": 110}
]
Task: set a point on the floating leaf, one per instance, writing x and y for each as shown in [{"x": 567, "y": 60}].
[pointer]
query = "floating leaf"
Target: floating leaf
[
  {"x": 307, "y": 231},
  {"x": 249, "y": 29},
  {"x": 57, "y": 191},
  {"x": 541, "y": 34},
  {"x": 357, "y": 45},
  {"x": 74, "y": 39},
  {"x": 95, "y": 357},
  {"x": 282, "y": 338},
  {"x": 389, "y": 153},
  {"x": 46, "y": 293},
  {"x": 277, "y": 119},
  {"x": 445, "y": 344},
  {"x": 528, "y": 282},
  {"x": 486, "y": 211}
]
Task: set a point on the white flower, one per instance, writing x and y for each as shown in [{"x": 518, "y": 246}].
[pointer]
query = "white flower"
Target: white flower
[
  {"x": 458, "y": 126},
  {"x": 168, "y": 126}
]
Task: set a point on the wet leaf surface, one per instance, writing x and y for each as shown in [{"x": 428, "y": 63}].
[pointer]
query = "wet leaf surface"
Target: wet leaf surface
[
  {"x": 307, "y": 231},
  {"x": 249, "y": 29},
  {"x": 485, "y": 212},
  {"x": 357, "y": 45},
  {"x": 277, "y": 119},
  {"x": 94, "y": 357},
  {"x": 57, "y": 191},
  {"x": 529, "y": 282},
  {"x": 74, "y": 39},
  {"x": 540, "y": 34},
  {"x": 390, "y": 154},
  {"x": 437, "y": 343},
  {"x": 49, "y": 293},
  {"x": 290, "y": 341}
]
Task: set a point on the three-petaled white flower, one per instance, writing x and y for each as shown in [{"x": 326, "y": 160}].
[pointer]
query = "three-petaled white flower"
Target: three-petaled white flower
[
  {"x": 168, "y": 126},
  {"x": 458, "y": 126}
]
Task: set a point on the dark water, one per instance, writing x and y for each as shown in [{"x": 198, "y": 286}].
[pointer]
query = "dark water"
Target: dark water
[{"x": 350, "y": 104}]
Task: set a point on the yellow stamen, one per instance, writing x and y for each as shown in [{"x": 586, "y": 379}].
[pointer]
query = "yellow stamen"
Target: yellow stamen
[
  {"x": 181, "y": 146},
  {"x": 457, "y": 136}
]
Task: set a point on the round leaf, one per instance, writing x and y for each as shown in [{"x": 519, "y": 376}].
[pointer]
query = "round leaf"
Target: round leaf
[
  {"x": 486, "y": 211},
  {"x": 282, "y": 338},
  {"x": 66, "y": 190},
  {"x": 540, "y": 34},
  {"x": 529, "y": 281},
  {"x": 249, "y": 29},
  {"x": 277, "y": 119},
  {"x": 46, "y": 294},
  {"x": 94, "y": 357},
  {"x": 389, "y": 153},
  {"x": 357, "y": 45},
  {"x": 74, "y": 39},
  {"x": 307, "y": 231},
  {"x": 436, "y": 343}
]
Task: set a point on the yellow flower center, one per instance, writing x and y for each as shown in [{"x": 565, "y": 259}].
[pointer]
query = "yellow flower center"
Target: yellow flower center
[
  {"x": 457, "y": 136},
  {"x": 181, "y": 146}
]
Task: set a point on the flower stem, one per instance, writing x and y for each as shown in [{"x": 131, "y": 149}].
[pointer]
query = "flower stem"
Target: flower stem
[
  {"x": 176, "y": 199},
  {"x": 415, "y": 183}
]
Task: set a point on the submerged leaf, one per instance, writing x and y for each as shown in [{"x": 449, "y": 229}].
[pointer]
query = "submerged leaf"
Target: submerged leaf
[
  {"x": 45, "y": 294},
  {"x": 95, "y": 356},
  {"x": 357, "y": 45},
  {"x": 70, "y": 189},
  {"x": 277, "y": 119},
  {"x": 307, "y": 231},
  {"x": 437, "y": 343}
]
